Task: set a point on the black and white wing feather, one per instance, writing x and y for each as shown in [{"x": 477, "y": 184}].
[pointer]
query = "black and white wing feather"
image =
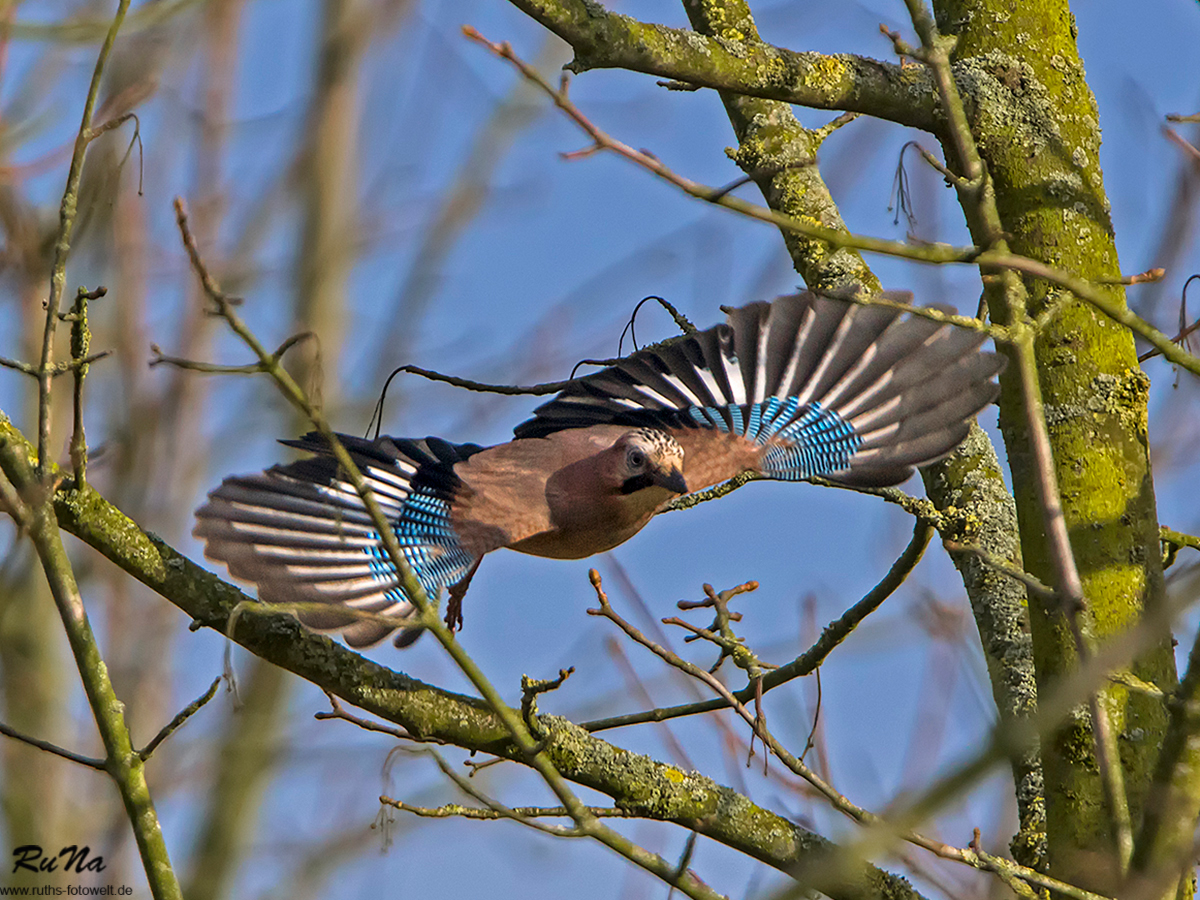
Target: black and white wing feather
[
  {"x": 301, "y": 533},
  {"x": 826, "y": 387}
]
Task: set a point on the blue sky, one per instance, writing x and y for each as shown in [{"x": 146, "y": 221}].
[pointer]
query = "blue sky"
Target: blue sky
[{"x": 545, "y": 275}]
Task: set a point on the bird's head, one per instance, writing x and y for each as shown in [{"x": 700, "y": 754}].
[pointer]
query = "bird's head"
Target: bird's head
[{"x": 647, "y": 458}]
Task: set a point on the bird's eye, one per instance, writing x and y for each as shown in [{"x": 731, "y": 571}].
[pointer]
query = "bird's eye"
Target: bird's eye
[{"x": 637, "y": 459}]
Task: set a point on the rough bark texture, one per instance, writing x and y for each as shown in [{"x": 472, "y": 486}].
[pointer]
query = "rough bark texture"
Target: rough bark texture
[
  {"x": 655, "y": 789},
  {"x": 1036, "y": 123},
  {"x": 737, "y": 61},
  {"x": 969, "y": 484}
]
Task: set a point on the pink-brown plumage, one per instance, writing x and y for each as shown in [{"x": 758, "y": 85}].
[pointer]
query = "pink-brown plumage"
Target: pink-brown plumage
[{"x": 800, "y": 387}]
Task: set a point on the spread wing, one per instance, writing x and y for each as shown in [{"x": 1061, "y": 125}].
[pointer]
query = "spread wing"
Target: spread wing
[
  {"x": 302, "y": 534},
  {"x": 814, "y": 386}
]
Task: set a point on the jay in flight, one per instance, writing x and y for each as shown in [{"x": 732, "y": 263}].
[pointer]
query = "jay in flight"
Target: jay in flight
[{"x": 800, "y": 387}]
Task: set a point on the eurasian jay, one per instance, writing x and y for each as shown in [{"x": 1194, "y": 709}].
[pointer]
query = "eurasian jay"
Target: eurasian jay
[{"x": 800, "y": 387}]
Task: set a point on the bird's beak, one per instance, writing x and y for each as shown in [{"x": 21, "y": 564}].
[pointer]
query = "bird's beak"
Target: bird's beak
[{"x": 672, "y": 481}]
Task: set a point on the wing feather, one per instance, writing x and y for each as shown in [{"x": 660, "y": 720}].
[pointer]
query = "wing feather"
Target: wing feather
[{"x": 820, "y": 386}]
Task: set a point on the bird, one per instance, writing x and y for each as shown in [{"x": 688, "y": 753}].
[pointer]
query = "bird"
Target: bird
[{"x": 803, "y": 386}]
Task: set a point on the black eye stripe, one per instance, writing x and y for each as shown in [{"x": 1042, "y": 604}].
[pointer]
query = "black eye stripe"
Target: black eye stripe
[{"x": 636, "y": 483}]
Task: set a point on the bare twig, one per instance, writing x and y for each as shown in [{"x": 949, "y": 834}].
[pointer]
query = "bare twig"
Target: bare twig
[
  {"x": 1175, "y": 541},
  {"x": 1185, "y": 330},
  {"x": 934, "y": 315},
  {"x": 1150, "y": 276},
  {"x": 551, "y": 387},
  {"x": 1035, "y": 585},
  {"x": 182, "y": 716},
  {"x": 62, "y": 243},
  {"x": 60, "y": 368},
  {"x": 808, "y": 661},
  {"x": 89, "y": 761},
  {"x": 454, "y": 810},
  {"x": 606, "y": 611},
  {"x": 531, "y": 687},
  {"x": 157, "y": 357},
  {"x": 427, "y": 613},
  {"x": 81, "y": 339},
  {"x": 339, "y": 712}
]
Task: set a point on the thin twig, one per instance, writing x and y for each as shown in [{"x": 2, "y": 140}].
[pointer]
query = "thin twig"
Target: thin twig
[
  {"x": 339, "y": 712},
  {"x": 550, "y": 387},
  {"x": 807, "y": 662},
  {"x": 934, "y": 315},
  {"x": 532, "y": 752},
  {"x": 157, "y": 357},
  {"x": 606, "y": 611},
  {"x": 61, "y": 368},
  {"x": 454, "y": 810},
  {"x": 687, "y": 501},
  {"x": 62, "y": 242},
  {"x": 1034, "y": 584},
  {"x": 81, "y": 340},
  {"x": 1176, "y": 540},
  {"x": 1185, "y": 330},
  {"x": 182, "y": 716},
  {"x": 1150, "y": 276},
  {"x": 89, "y": 761}
]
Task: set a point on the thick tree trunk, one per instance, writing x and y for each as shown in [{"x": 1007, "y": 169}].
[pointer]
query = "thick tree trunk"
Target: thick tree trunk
[{"x": 1036, "y": 123}]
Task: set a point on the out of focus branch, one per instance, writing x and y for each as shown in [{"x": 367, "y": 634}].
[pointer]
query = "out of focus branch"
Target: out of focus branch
[
  {"x": 430, "y": 713},
  {"x": 535, "y": 753},
  {"x": 62, "y": 243},
  {"x": 121, "y": 761}
]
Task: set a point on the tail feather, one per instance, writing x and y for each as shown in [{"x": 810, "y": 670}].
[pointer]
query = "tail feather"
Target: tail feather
[{"x": 303, "y": 535}]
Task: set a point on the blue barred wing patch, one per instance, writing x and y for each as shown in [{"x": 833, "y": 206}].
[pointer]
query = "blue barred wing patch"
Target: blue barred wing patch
[
  {"x": 816, "y": 442},
  {"x": 804, "y": 440},
  {"x": 300, "y": 532},
  {"x": 429, "y": 544}
]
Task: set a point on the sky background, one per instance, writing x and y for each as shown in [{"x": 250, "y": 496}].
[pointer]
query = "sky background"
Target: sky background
[{"x": 545, "y": 274}]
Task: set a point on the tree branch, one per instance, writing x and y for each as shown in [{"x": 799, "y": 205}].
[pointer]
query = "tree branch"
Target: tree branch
[
  {"x": 121, "y": 761},
  {"x": 602, "y": 39},
  {"x": 429, "y": 713}
]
